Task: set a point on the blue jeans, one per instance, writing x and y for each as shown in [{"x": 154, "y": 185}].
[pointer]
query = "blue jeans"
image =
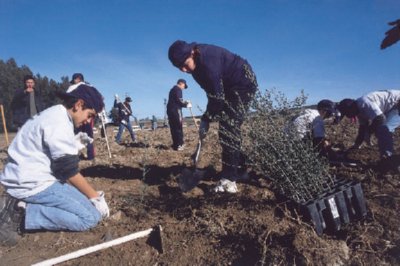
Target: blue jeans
[
  {"x": 121, "y": 128},
  {"x": 60, "y": 207},
  {"x": 384, "y": 133}
]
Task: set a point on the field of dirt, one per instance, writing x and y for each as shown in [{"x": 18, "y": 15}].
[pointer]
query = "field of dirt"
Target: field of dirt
[{"x": 251, "y": 227}]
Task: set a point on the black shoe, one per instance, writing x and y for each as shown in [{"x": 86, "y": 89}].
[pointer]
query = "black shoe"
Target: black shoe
[{"x": 11, "y": 217}]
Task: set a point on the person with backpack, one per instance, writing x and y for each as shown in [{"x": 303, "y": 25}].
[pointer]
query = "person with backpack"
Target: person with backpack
[
  {"x": 124, "y": 113},
  {"x": 44, "y": 189}
]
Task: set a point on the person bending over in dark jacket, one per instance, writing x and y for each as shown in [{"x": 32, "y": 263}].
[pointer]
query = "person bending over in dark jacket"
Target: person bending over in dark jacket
[{"x": 230, "y": 84}]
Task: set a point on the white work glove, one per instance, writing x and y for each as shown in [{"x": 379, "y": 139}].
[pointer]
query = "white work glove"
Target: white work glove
[
  {"x": 204, "y": 126},
  {"x": 82, "y": 140},
  {"x": 101, "y": 205},
  {"x": 188, "y": 104}
]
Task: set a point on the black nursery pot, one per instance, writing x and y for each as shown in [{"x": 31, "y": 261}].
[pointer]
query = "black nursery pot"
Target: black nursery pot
[{"x": 342, "y": 204}]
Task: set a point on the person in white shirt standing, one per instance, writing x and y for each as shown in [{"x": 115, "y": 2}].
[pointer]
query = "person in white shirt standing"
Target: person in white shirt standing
[
  {"x": 377, "y": 112},
  {"x": 45, "y": 190}
]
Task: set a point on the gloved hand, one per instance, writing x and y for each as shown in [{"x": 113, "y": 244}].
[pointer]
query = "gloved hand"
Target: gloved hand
[
  {"x": 188, "y": 104},
  {"x": 82, "y": 140},
  {"x": 117, "y": 98},
  {"x": 101, "y": 204},
  {"x": 204, "y": 127}
]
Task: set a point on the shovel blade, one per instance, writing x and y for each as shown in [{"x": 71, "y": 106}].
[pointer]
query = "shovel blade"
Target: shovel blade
[{"x": 190, "y": 179}]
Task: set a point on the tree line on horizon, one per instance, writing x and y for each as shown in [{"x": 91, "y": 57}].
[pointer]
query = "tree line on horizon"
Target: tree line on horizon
[{"x": 12, "y": 78}]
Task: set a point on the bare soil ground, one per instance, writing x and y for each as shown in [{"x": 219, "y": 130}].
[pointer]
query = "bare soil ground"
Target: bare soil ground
[{"x": 252, "y": 227}]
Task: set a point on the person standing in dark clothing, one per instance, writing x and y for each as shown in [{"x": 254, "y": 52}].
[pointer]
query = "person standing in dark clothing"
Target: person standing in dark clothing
[
  {"x": 124, "y": 112},
  {"x": 26, "y": 103},
  {"x": 230, "y": 84},
  {"x": 174, "y": 112}
]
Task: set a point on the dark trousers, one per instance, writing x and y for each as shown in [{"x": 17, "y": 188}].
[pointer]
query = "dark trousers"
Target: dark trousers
[
  {"x": 175, "y": 125},
  {"x": 233, "y": 160}
]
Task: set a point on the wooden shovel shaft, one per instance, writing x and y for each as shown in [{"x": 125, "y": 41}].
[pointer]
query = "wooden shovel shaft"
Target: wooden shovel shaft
[
  {"x": 197, "y": 153},
  {"x": 194, "y": 119},
  {"x": 105, "y": 134},
  {"x": 4, "y": 123}
]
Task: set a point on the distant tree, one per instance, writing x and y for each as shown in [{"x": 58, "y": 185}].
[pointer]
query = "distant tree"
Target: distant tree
[{"x": 12, "y": 77}]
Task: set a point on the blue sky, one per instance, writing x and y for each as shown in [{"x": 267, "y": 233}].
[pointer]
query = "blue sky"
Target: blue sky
[{"x": 329, "y": 48}]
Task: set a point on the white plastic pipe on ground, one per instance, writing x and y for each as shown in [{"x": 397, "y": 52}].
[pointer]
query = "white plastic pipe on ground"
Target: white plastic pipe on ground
[{"x": 95, "y": 248}]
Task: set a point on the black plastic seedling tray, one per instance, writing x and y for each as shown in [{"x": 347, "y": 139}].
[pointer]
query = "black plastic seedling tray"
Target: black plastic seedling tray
[{"x": 342, "y": 204}]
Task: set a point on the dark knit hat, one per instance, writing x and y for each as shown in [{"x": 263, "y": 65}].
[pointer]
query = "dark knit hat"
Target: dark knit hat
[
  {"x": 179, "y": 51},
  {"x": 90, "y": 95}
]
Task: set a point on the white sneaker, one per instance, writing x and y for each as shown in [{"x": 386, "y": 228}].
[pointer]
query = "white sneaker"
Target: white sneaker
[
  {"x": 225, "y": 185},
  {"x": 181, "y": 147}
]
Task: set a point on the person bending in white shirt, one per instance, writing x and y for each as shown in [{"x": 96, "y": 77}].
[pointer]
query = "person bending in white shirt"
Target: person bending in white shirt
[
  {"x": 310, "y": 125},
  {"x": 45, "y": 190},
  {"x": 378, "y": 113}
]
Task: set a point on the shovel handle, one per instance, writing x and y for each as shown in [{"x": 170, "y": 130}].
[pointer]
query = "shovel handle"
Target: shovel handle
[
  {"x": 197, "y": 153},
  {"x": 194, "y": 119}
]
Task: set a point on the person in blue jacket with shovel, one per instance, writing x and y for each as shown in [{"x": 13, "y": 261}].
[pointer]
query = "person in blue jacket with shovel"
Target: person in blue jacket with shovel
[{"x": 230, "y": 84}]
